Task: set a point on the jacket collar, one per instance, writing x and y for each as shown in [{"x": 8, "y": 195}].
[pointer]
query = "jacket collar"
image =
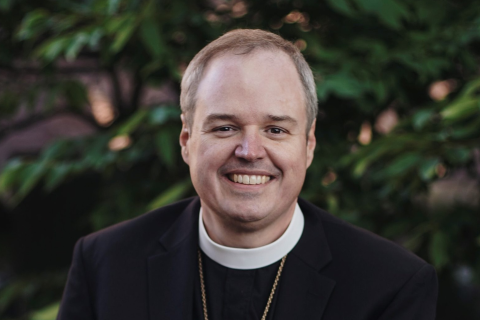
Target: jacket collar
[
  {"x": 303, "y": 292},
  {"x": 171, "y": 274}
]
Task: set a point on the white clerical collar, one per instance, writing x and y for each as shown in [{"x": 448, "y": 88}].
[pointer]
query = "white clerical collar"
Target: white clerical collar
[{"x": 236, "y": 258}]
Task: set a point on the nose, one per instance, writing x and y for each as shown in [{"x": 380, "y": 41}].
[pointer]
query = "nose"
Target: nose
[{"x": 251, "y": 146}]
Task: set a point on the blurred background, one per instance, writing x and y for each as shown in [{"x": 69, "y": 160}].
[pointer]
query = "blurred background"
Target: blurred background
[{"x": 89, "y": 124}]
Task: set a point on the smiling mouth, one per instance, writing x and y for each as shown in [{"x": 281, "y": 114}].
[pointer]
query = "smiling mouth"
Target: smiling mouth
[{"x": 248, "y": 179}]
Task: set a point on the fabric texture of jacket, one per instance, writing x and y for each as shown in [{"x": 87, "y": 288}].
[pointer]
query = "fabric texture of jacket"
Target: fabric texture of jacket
[{"x": 145, "y": 268}]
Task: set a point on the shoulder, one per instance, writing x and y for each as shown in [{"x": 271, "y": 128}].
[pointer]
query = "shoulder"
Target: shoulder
[
  {"x": 363, "y": 252},
  {"x": 140, "y": 234},
  {"x": 372, "y": 275}
]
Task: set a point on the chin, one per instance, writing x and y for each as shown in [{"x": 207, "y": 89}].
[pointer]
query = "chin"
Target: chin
[{"x": 244, "y": 212}]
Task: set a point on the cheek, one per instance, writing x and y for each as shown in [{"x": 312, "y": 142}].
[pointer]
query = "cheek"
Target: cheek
[
  {"x": 291, "y": 159},
  {"x": 208, "y": 157}
]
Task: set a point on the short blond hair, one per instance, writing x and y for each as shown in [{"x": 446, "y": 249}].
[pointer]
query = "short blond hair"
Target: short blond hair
[{"x": 244, "y": 41}]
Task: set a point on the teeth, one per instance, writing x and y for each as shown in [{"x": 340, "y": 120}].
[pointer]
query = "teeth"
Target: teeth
[{"x": 246, "y": 179}]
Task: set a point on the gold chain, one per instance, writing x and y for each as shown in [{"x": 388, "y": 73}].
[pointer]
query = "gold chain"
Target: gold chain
[{"x": 270, "y": 298}]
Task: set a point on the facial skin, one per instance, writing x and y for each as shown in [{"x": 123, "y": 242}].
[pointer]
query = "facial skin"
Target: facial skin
[{"x": 250, "y": 119}]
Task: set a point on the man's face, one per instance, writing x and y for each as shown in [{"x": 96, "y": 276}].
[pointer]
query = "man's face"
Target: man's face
[{"x": 250, "y": 121}]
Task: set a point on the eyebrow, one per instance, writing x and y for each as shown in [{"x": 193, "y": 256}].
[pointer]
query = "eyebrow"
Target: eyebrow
[
  {"x": 231, "y": 117},
  {"x": 281, "y": 118},
  {"x": 220, "y": 116}
]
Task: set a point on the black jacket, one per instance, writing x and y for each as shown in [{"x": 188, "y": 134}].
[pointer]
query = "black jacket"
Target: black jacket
[{"x": 145, "y": 268}]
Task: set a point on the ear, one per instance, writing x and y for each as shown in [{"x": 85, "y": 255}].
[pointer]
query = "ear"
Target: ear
[
  {"x": 311, "y": 143},
  {"x": 184, "y": 138}
]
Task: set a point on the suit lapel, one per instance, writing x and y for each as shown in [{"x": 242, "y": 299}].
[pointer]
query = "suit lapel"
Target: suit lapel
[
  {"x": 303, "y": 291},
  {"x": 171, "y": 273}
]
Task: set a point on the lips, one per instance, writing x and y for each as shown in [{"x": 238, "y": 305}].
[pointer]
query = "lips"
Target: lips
[{"x": 248, "y": 179}]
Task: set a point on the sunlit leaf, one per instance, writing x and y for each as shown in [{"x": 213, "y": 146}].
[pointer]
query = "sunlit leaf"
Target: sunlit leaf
[
  {"x": 461, "y": 109},
  {"x": 48, "y": 313},
  {"x": 52, "y": 48},
  {"x": 427, "y": 168},
  {"x": 10, "y": 174},
  {"x": 32, "y": 24},
  {"x": 75, "y": 45},
  {"x": 133, "y": 123},
  {"x": 126, "y": 28},
  {"x": 172, "y": 194},
  {"x": 113, "y": 6}
]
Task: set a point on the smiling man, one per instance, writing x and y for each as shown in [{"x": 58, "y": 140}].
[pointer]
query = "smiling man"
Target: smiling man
[{"x": 247, "y": 247}]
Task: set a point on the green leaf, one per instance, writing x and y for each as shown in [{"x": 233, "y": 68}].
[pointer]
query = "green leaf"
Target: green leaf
[
  {"x": 95, "y": 37},
  {"x": 152, "y": 37},
  {"x": 427, "y": 168},
  {"x": 31, "y": 175},
  {"x": 33, "y": 24},
  {"x": 460, "y": 109},
  {"x": 133, "y": 123},
  {"x": 10, "y": 175},
  {"x": 56, "y": 175},
  {"x": 162, "y": 114},
  {"x": 458, "y": 155},
  {"x": 438, "y": 249},
  {"x": 78, "y": 41},
  {"x": 341, "y": 84},
  {"x": 52, "y": 48},
  {"x": 341, "y": 6},
  {"x": 166, "y": 144},
  {"x": 113, "y": 6},
  {"x": 390, "y": 12},
  {"x": 47, "y": 313},
  {"x": 421, "y": 118},
  {"x": 174, "y": 193},
  {"x": 469, "y": 130},
  {"x": 367, "y": 157},
  {"x": 402, "y": 164},
  {"x": 126, "y": 28}
]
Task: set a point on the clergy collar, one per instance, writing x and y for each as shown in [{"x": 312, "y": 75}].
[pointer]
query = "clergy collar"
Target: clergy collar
[{"x": 245, "y": 259}]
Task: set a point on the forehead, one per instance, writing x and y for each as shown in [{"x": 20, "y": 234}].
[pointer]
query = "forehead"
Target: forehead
[{"x": 258, "y": 82}]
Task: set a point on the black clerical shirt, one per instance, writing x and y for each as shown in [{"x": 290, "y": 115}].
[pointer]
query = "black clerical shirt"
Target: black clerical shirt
[{"x": 234, "y": 294}]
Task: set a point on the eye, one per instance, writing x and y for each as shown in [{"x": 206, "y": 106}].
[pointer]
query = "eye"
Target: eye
[
  {"x": 224, "y": 129},
  {"x": 276, "y": 130}
]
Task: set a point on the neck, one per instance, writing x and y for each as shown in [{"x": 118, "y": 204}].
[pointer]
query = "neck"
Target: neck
[{"x": 246, "y": 235}]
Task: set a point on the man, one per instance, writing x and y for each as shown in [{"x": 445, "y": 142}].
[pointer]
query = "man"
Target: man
[{"x": 248, "y": 247}]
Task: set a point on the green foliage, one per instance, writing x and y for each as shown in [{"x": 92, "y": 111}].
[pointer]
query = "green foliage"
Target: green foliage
[
  {"x": 48, "y": 313},
  {"x": 369, "y": 56}
]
